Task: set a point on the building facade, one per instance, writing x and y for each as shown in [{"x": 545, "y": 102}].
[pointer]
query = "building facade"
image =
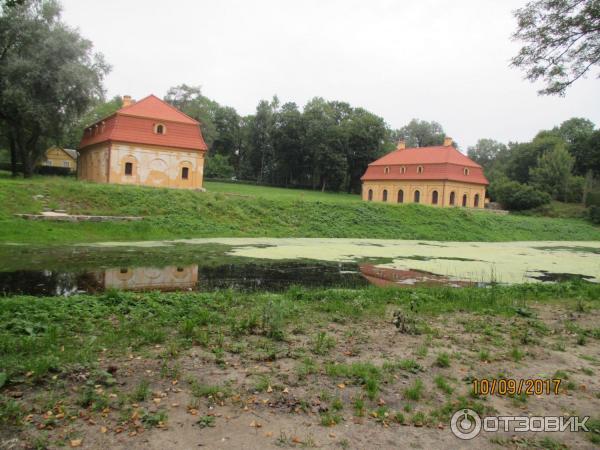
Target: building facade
[
  {"x": 147, "y": 143},
  {"x": 437, "y": 176},
  {"x": 60, "y": 157}
]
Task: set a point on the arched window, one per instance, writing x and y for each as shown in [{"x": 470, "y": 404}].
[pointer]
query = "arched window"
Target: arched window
[
  {"x": 466, "y": 171},
  {"x": 476, "y": 201},
  {"x": 464, "y": 202},
  {"x": 400, "y": 196},
  {"x": 384, "y": 196},
  {"x": 402, "y": 170},
  {"x": 185, "y": 173},
  {"x": 386, "y": 170},
  {"x": 370, "y": 197},
  {"x": 452, "y": 198},
  {"x": 159, "y": 128},
  {"x": 420, "y": 169},
  {"x": 128, "y": 168},
  {"x": 417, "y": 196},
  {"x": 434, "y": 198}
]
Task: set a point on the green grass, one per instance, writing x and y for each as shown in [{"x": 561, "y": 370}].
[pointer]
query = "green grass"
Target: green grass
[
  {"x": 43, "y": 336},
  {"x": 238, "y": 210}
]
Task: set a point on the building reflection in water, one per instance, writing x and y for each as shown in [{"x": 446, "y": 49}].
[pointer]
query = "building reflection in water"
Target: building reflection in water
[
  {"x": 170, "y": 278},
  {"x": 386, "y": 276}
]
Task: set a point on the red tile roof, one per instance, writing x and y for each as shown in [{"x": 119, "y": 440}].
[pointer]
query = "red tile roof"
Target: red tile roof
[
  {"x": 439, "y": 163},
  {"x": 135, "y": 124}
]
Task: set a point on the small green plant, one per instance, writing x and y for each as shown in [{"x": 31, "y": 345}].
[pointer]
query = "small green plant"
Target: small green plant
[
  {"x": 443, "y": 360},
  {"x": 153, "y": 419},
  {"x": 337, "y": 404},
  {"x": 483, "y": 355},
  {"x": 141, "y": 391},
  {"x": 381, "y": 415},
  {"x": 443, "y": 384},
  {"x": 206, "y": 421},
  {"x": 329, "y": 419},
  {"x": 419, "y": 419},
  {"x": 415, "y": 391},
  {"x": 516, "y": 354},
  {"x": 359, "y": 407},
  {"x": 399, "y": 418},
  {"x": 322, "y": 343}
]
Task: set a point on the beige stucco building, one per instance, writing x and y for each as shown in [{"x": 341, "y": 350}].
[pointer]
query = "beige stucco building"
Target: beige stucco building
[
  {"x": 436, "y": 176},
  {"x": 145, "y": 143}
]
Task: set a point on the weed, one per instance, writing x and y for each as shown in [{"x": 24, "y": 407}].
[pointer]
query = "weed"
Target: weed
[
  {"x": 153, "y": 419},
  {"x": 329, "y": 419},
  {"x": 359, "y": 407},
  {"x": 516, "y": 354},
  {"x": 443, "y": 360},
  {"x": 206, "y": 421},
  {"x": 443, "y": 384},
  {"x": 322, "y": 343},
  {"x": 415, "y": 391},
  {"x": 141, "y": 392}
]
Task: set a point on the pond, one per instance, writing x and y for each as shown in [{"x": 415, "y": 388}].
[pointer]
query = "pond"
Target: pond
[{"x": 275, "y": 264}]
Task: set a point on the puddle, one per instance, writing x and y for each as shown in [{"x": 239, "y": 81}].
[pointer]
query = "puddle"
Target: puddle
[{"x": 275, "y": 264}]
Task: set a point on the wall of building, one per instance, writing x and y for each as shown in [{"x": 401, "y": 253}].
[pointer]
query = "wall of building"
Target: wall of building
[
  {"x": 426, "y": 189},
  {"x": 55, "y": 157},
  {"x": 93, "y": 163},
  {"x": 148, "y": 278},
  {"x": 155, "y": 166}
]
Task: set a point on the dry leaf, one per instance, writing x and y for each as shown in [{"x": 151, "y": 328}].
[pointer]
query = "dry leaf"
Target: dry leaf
[
  {"x": 75, "y": 443},
  {"x": 269, "y": 434},
  {"x": 255, "y": 424},
  {"x": 296, "y": 440},
  {"x": 269, "y": 389},
  {"x": 341, "y": 386},
  {"x": 103, "y": 429}
]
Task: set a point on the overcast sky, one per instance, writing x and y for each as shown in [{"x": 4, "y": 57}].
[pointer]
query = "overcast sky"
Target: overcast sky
[{"x": 444, "y": 60}]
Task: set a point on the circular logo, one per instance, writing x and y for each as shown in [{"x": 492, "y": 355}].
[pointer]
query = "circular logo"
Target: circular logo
[{"x": 465, "y": 424}]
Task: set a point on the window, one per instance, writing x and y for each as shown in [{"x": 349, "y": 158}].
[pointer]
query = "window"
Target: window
[
  {"x": 466, "y": 171},
  {"x": 370, "y": 197},
  {"x": 452, "y": 198},
  {"x": 476, "y": 201},
  {"x": 384, "y": 197},
  {"x": 386, "y": 170},
  {"x": 420, "y": 169},
  {"x": 417, "y": 196},
  {"x": 400, "y": 196},
  {"x": 159, "y": 128},
  {"x": 185, "y": 173},
  {"x": 464, "y": 202},
  {"x": 434, "y": 197},
  {"x": 48, "y": 162},
  {"x": 124, "y": 270},
  {"x": 66, "y": 164},
  {"x": 128, "y": 168},
  {"x": 402, "y": 169},
  {"x": 180, "y": 269}
]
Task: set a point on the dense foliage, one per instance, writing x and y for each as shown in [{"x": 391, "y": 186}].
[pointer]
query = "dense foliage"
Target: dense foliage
[{"x": 562, "y": 41}]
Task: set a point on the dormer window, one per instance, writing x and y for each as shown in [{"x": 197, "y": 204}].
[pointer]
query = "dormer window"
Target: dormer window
[
  {"x": 159, "y": 128},
  {"x": 419, "y": 169},
  {"x": 386, "y": 170},
  {"x": 466, "y": 171},
  {"x": 402, "y": 170}
]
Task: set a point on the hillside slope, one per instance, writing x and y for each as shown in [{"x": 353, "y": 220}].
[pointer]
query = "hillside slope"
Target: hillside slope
[{"x": 228, "y": 210}]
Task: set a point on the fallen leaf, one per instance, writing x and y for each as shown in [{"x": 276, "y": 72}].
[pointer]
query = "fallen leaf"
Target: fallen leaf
[
  {"x": 296, "y": 440},
  {"x": 341, "y": 386},
  {"x": 255, "y": 424},
  {"x": 103, "y": 429},
  {"x": 269, "y": 389},
  {"x": 75, "y": 442},
  {"x": 269, "y": 434}
]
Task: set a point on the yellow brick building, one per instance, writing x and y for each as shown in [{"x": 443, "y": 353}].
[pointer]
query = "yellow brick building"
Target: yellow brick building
[
  {"x": 437, "y": 176},
  {"x": 60, "y": 157}
]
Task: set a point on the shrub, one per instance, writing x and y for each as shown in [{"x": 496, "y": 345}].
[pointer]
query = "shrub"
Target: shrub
[
  {"x": 517, "y": 197},
  {"x": 592, "y": 199},
  {"x": 574, "y": 192},
  {"x": 53, "y": 170},
  {"x": 217, "y": 166},
  {"x": 594, "y": 214}
]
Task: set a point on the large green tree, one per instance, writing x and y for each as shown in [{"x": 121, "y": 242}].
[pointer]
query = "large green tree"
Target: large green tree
[
  {"x": 561, "y": 41},
  {"x": 49, "y": 76},
  {"x": 421, "y": 133},
  {"x": 486, "y": 151},
  {"x": 553, "y": 172}
]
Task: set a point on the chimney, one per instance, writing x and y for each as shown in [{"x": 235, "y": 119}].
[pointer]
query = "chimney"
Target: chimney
[
  {"x": 127, "y": 101},
  {"x": 401, "y": 144},
  {"x": 447, "y": 141}
]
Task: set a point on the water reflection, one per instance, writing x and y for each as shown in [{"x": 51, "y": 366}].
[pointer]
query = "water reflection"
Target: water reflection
[
  {"x": 251, "y": 276},
  {"x": 386, "y": 276}
]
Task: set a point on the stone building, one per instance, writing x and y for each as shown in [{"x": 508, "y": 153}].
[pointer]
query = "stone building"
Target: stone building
[
  {"x": 146, "y": 143},
  {"x": 437, "y": 176}
]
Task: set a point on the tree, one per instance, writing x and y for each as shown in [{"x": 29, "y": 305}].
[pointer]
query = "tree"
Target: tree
[
  {"x": 515, "y": 196},
  {"x": 553, "y": 172},
  {"x": 49, "y": 76},
  {"x": 291, "y": 161},
  {"x": 525, "y": 156},
  {"x": 217, "y": 166},
  {"x": 562, "y": 41},
  {"x": 486, "y": 151},
  {"x": 420, "y": 133},
  {"x": 99, "y": 110}
]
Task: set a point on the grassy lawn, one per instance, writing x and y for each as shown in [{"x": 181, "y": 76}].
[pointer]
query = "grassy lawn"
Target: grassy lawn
[
  {"x": 232, "y": 210},
  {"x": 163, "y": 366}
]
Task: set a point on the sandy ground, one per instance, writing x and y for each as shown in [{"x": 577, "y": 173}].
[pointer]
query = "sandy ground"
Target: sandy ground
[{"x": 270, "y": 402}]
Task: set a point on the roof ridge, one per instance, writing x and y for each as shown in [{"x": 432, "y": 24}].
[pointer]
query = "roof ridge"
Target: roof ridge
[{"x": 123, "y": 111}]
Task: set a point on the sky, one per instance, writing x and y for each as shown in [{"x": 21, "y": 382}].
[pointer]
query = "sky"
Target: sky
[{"x": 442, "y": 60}]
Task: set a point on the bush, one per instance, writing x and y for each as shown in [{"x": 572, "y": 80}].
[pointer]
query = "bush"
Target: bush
[
  {"x": 593, "y": 198},
  {"x": 594, "y": 214},
  {"x": 217, "y": 166},
  {"x": 574, "y": 192},
  {"x": 52, "y": 170},
  {"x": 517, "y": 197}
]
